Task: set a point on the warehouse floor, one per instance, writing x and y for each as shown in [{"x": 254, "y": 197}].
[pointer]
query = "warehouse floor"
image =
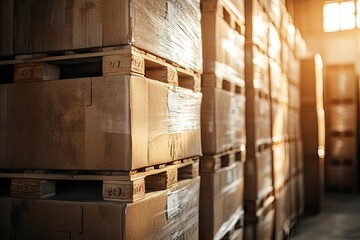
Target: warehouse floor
[{"x": 339, "y": 219}]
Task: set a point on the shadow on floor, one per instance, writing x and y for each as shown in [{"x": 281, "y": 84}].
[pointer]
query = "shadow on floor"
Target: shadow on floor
[{"x": 339, "y": 219}]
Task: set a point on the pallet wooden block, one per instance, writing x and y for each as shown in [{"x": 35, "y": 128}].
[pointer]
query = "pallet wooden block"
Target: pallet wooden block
[
  {"x": 32, "y": 188},
  {"x": 210, "y": 164},
  {"x": 118, "y": 60},
  {"x": 124, "y": 186}
]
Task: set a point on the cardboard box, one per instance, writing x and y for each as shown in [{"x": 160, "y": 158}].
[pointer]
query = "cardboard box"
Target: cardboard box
[
  {"x": 262, "y": 229},
  {"x": 5, "y": 218},
  {"x": 343, "y": 117},
  {"x": 293, "y": 158},
  {"x": 278, "y": 119},
  {"x": 169, "y": 29},
  {"x": 161, "y": 215},
  {"x": 342, "y": 82},
  {"x": 343, "y": 151},
  {"x": 222, "y": 120},
  {"x": 300, "y": 193},
  {"x": 260, "y": 62},
  {"x": 223, "y": 46},
  {"x": 282, "y": 211},
  {"x": 294, "y": 197},
  {"x": 221, "y": 200},
  {"x": 3, "y": 121},
  {"x": 258, "y": 175},
  {"x": 103, "y": 123},
  {"x": 274, "y": 49},
  {"x": 6, "y": 27},
  {"x": 262, "y": 122},
  {"x": 260, "y": 24},
  {"x": 281, "y": 164}
]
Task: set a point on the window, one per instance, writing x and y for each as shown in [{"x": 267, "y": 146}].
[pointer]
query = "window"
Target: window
[{"x": 341, "y": 15}]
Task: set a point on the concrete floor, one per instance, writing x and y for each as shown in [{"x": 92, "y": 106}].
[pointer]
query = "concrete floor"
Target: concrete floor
[{"x": 339, "y": 219}]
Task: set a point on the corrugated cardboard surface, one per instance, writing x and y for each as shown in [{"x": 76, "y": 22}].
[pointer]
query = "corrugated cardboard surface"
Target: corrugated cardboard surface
[
  {"x": 223, "y": 46},
  {"x": 262, "y": 229},
  {"x": 282, "y": 211},
  {"x": 343, "y": 148},
  {"x": 258, "y": 175},
  {"x": 281, "y": 164},
  {"x": 6, "y": 27},
  {"x": 161, "y": 215},
  {"x": 3, "y": 121},
  {"x": 221, "y": 196},
  {"x": 5, "y": 217},
  {"x": 222, "y": 120},
  {"x": 42, "y": 26},
  {"x": 343, "y": 117},
  {"x": 101, "y": 123}
]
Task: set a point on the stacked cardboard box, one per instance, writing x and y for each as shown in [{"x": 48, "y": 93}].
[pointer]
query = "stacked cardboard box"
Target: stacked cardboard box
[
  {"x": 342, "y": 104},
  {"x": 312, "y": 111},
  {"x": 160, "y": 215},
  {"x": 259, "y": 198},
  {"x": 273, "y": 47},
  {"x": 222, "y": 118},
  {"x": 122, "y": 108},
  {"x": 6, "y": 27}
]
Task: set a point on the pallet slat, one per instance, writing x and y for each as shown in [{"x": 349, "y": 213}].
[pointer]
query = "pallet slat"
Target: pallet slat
[
  {"x": 123, "y": 186},
  {"x": 103, "y": 62}
]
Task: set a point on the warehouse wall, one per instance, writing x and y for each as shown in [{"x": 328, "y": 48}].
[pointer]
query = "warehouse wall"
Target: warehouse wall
[{"x": 336, "y": 47}]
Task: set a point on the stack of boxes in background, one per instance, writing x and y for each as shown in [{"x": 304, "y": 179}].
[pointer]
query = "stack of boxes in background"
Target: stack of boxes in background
[
  {"x": 274, "y": 146},
  {"x": 222, "y": 120},
  {"x": 342, "y": 106},
  {"x": 102, "y": 102},
  {"x": 279, "y": 80},
  {"x": 104, "y": 106},
  {"x": 259, "y": 195},
  {"x": 313, "y": 130}
]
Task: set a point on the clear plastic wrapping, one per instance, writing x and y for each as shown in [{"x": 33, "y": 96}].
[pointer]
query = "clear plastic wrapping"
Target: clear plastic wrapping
[
  {"x": 275, "y": 79},
  {"x": 229, "y": 224},
  {"x": 76, "y": 123},
  {"x": 223, "y": 120},
  {"x": 261, "y": 71},
  {"x": 170, "y": 29},
  {"x": 223, "y": 42},
  {"x": 275, "y": 11},
  {"x": 178, "y": 110},
  {"x": 260, "y": 25},
  {"x": 301, "y": 48},
  {"x": 264, "y": 173},
  {"x": 165, "y": 214},
  {"x": 281, "y": 164},
  {"x": 262, "y": 119},
  {"x": 182, "y": 213},
  {"x": 274, "y": 43}
]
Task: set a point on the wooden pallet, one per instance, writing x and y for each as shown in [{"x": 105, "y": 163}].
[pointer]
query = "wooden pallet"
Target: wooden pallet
[
  {"x": 125, "y": 186},
  {"x": 342, "y": 134},
  {"x": 98, "y": 62},
  {"x": 232, "y": 83},
  {"x": 211, "y": 164},
  {"x": 257, "y": 207},
  {"x": 342, "y": 101},
  {"x": 228, "y": 12}
]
